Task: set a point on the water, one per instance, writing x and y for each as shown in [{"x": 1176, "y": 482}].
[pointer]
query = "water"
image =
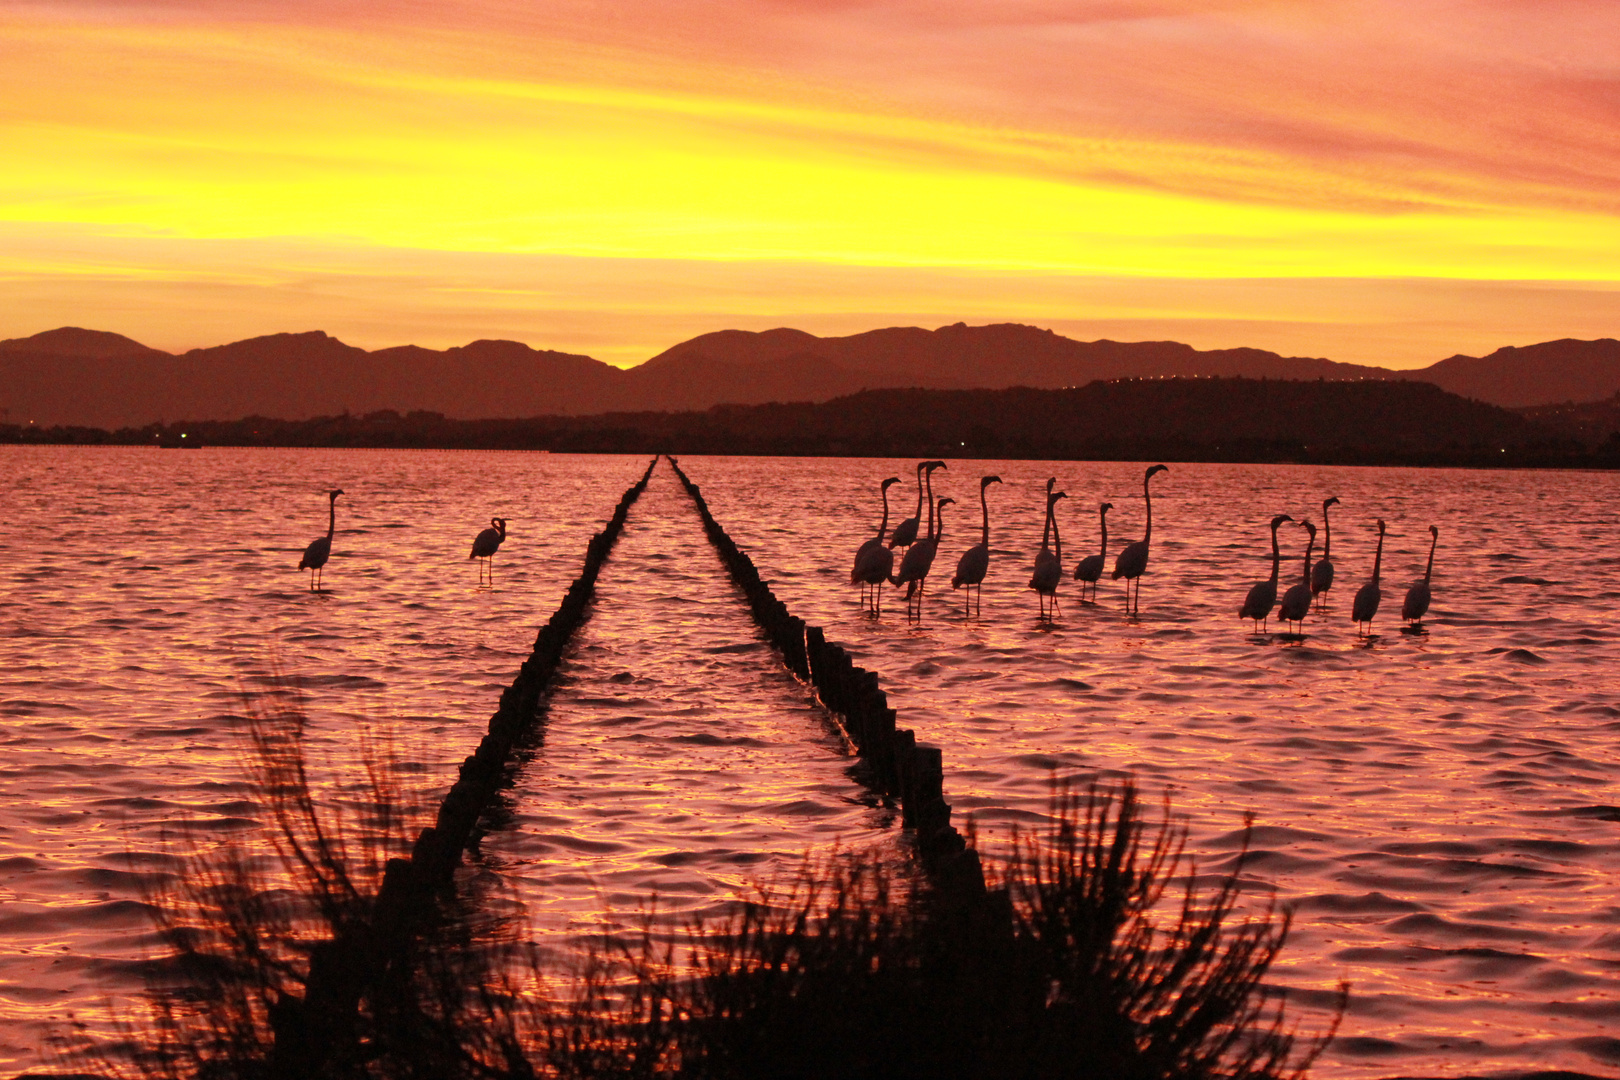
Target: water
[{"x": 1441, "y": 808}]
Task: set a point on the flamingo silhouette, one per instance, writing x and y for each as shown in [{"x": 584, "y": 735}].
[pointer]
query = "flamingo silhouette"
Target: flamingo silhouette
[
  {"x": 483, "y": 547},
  {"x": 1133, "y": 560},
  {"x": 1417, "y": 597},
  {"x": 1088, "y": 571},
  {"x": 1263, "y": 594},
  {"x": 920, "y": 559},
  {"x": 975, "y": 561},
  {"x": 1296, "y": 602},
  {"x": 873, "y": 561},
  {"x": 1322, "y": 573},
  {"x": 1368, "y": 597},
  {"x": 1049, "y": 563},
  {"x": 320, "y": 548}
]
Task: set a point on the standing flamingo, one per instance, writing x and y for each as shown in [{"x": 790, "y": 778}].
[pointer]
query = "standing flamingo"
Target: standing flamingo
[
  {"x": 873, "y": 561},
  {"x": 1417, "y": 597},
  {"x": 1296, "y": 602},
  {"x": 1369, "y": 595},
  {"x": 1263, "y": 594},
  {"x": 920, "y": 559},
  {"x": 1048, "y": 563},
  {"x": 1322, "y": 575},
  {"x": 905, "y": 533},
  {"x": 1133, "y": 560},
  {"x": 975, "y": 561},
  {"x": 320, "y": 548},
  {"x": 1088, "y": 571},
  {"x": 484, "y": 545}
]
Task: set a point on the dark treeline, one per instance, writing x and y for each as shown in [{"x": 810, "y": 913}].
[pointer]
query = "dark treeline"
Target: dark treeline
[{"x": 1239, "y": 420}]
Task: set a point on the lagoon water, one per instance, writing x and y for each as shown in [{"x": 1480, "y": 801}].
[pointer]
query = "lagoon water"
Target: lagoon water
[{"x": 1440, "y": 809}]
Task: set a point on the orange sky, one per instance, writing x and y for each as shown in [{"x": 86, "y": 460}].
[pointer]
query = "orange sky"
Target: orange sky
[{"x": 1371, "y": 181}]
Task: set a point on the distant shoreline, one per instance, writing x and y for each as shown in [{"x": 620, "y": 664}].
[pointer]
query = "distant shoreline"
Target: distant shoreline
[{"x": 1237, "y": 421}]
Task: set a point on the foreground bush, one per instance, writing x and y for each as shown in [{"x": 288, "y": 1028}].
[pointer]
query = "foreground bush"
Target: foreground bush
[{"x": 1093, "y": 954}]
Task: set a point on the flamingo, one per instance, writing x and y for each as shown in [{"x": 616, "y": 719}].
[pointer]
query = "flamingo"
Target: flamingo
[
  {"x": 919, "y": 558},
  {"x": 1263, "y": 594},
  {"x": 320, "y": 548},
  {"x": 873, "y": 561},
  {"x": 484, "y": 545},
  {"x": 1048, "y": 563},
  {"x": 1369, "y": 595},
  {"x": 975, "y": 561},
  {"x": 905, "y": 533},
  {"x": 1133, "y": 560},
  {"x": 1088, "y": 571},
  {"x": 1417, "y": 597},
  {"x": 1296, "y": 602},
  {"x": 1322, "y": 575}
]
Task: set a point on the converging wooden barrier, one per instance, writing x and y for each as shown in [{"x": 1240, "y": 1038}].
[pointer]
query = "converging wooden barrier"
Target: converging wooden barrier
[
  {"x": 313, "y": 1031},
  {"x": 902, "y": 767}
]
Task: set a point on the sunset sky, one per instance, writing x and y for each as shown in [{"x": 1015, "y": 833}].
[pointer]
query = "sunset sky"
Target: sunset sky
[{"x": 1366, "y": 180}]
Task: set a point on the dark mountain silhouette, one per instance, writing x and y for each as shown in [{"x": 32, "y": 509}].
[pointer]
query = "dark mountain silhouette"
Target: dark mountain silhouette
[
  {"x": 292, "y": 376},
  {"x": 74, "y": 341},
  {"x": 87, "y": 377},
  {"x": 1549, "y": 373}
]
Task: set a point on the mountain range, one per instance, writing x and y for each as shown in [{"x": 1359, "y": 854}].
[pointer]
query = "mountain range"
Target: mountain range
[{"x": 101, "y": 379}]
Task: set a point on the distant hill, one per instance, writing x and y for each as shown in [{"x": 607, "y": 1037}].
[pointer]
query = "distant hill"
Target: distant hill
[
  {"x": 100, "y": 379},
  {"x": 1550, "y": 373}
]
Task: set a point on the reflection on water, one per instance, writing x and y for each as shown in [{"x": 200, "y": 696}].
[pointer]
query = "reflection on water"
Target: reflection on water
[{"x": 1441, "y": 807}]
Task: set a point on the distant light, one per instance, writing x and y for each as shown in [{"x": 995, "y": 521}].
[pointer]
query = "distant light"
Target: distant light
[{"x": 182, "y": 434}]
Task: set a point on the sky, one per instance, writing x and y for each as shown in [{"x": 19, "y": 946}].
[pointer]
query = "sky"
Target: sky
[{"x": 1367, "y": 180}]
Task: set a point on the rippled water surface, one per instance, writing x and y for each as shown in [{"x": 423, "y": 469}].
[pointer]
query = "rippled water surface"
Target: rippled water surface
[{"x": 1439, "y": 808}]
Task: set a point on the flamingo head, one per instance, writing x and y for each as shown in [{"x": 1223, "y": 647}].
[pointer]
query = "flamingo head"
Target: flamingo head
[
  {"x": 944, "y": 500},
  {"x": 334, "y": 493},
  {"x": 932, "y": 465},
  {"x": 1103, "y": 508},
  {"x": 1051, "y": 500},
  {"x": 1330, "y": 501},
  {"x": 1051, "y": 482},
  {"x": 1381, "y": 526},
  {"x": 1278, "y": 520},
  {"x": 890, "y": 482},
  {"x": 986, "y": 481},
  {"x": 1309, "y": 528},
  {"x": 1154, "y": 469},
  {"x": 499, "y": 523},
  {"x": 1434, "y": 531}
]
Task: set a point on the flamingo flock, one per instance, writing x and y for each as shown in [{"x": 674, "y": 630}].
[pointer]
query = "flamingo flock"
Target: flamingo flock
[{"x": 1305, "y": 594}]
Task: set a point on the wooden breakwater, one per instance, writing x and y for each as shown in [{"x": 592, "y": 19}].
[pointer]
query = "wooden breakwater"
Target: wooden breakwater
[
  {"x": 902, "y": 767},
  {"x": 319, "y": 1028}
]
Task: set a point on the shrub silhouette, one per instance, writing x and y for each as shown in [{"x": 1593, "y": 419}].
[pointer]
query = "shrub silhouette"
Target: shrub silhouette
[{"x": 1094, "y": 953}]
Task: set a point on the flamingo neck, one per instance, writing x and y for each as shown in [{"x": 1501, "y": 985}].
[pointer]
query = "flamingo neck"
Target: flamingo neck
[
  {"x": 1276, "y": 556},
  {"x": 1378, "y": 558},
  {"x": 1057, "y": 537},
  {"x": 1147, "y": 497},
  {"x": 941, "y": 534},
  {"x": 1429, "y": 570},
  {"x": 1310, "y": 545},
  {"x": 1046, "y": 532},
  {"x": 331, "y": 518},
  {"x": 882, "y": 528},
  {"x": 1327, "y": 535},
  {"x": 984, "y": 504},
  {"x": 928, "y": 479},
  {"x": 918, "y": 514},
  {"x": 1104, "y": 517}
]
